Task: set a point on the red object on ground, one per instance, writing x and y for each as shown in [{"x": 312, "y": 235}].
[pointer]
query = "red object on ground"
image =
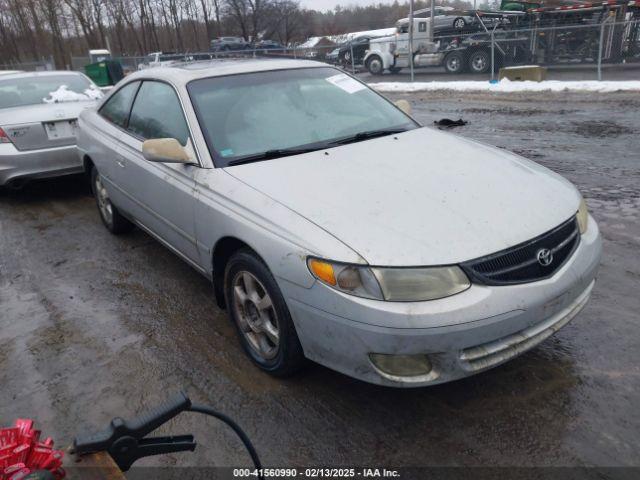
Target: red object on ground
[{"x": 22, "y": 452}]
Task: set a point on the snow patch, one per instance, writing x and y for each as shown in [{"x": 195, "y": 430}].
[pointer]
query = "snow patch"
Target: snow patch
[
  {"x": 507, "y": 86},
  {"x": 63, "y": 94},
  {"x": 345, "y": 37},
  {"x": 310, "y": 43},
  {"x": 381, "y": 32}
]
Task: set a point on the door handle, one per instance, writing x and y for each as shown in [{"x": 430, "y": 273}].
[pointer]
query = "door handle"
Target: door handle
[{"x": 120, "y": 162}]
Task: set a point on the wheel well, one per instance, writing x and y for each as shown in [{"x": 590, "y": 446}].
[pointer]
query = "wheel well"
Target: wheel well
[
  {"x": 372, "y": 56},
  {"x": 87, "y": 164},
  {"x": 222, "y": 252}
]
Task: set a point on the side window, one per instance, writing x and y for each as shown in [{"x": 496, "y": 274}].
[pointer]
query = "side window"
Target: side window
[
  {"x": 116, "y": 110},
  {"x": 157, "y": 113},
  {"x": 422, "y": 26}
]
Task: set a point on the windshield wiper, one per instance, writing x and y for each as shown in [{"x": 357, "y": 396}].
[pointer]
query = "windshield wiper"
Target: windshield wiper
[
  {"x": 271, "y": 154},
  {"x": 358, "y": 137}
]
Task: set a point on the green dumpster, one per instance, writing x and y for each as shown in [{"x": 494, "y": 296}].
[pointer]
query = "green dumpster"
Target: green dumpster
[{"x": 105, "y": 73}]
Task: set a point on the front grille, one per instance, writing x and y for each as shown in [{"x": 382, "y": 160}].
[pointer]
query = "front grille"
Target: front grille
[{"x": 520, "y": 264}]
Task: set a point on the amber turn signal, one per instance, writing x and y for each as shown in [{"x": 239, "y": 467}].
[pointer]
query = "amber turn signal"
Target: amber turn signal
[{"x": 322, "y": 270}]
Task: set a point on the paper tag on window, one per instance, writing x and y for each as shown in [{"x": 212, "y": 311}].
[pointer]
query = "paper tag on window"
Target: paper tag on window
[{"x": 346, "y": 83}]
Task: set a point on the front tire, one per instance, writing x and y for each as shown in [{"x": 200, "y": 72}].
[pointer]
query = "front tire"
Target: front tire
[
  {"x": 375, "y": 65},
  {"x": 261, "y": 317},
  {"x": 109, "y": 214}
]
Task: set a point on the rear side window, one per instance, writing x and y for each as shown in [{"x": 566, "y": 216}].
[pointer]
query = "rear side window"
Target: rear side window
[
  {"x": 116, "y": 110},
  {"x": 157, "y": 113}
]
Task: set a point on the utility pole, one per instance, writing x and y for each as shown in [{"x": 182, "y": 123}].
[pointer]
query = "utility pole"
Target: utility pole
[
  {"x": 432, "y": 21},
  {"x": 410, "y": 52}
]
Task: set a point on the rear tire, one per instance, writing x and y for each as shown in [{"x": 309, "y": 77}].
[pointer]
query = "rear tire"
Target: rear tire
[
  {"x": 109, "y": 214},
  {"x": 459, "y": 23},
  {"x": 454, "y": 63},
  {"x": 480, "y": 61},
  {"x": 261, "y": 316}
]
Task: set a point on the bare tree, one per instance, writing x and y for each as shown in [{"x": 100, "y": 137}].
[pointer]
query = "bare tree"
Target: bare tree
[
  {"x": 32, "y": 29},
  {"x": 238, "y": 10}
]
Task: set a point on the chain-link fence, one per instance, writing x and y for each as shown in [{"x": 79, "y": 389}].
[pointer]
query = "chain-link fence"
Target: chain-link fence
[
  {"x": 585, "y": 51},
  {"x": 599, "y": 47},
  {"x": 36, "y": 66}
]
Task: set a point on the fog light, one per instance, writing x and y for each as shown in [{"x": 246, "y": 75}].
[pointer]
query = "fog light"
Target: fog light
[{"x": 401, "y": 365}]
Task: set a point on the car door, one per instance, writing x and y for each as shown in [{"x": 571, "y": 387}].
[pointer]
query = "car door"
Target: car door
[
  {"x": 161, "y": 194},
  {"x": 104, "y": 138}
]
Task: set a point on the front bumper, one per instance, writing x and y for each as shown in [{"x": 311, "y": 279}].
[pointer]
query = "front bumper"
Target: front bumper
[
  {"x": 463, "y": 334},
  {"x": 42, "y": 163}
]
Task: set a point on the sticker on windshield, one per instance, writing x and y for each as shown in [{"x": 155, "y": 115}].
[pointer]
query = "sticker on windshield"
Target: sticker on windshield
[{"x": 346, "y": 83}]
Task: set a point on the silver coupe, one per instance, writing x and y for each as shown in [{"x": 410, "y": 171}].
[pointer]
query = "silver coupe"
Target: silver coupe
[{"x": 336, "y": 228}]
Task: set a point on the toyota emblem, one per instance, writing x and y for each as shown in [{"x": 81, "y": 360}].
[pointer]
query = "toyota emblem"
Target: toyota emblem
[{"x": 544, "y": 257}]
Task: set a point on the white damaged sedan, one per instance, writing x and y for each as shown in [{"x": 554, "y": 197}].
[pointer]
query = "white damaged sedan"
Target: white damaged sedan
[{"x": 334, "y": 227}]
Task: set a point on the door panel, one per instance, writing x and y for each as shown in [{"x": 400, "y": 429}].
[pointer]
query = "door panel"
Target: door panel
[
  {"x": 107, "y": 126},
  {"x": 160, "y": 195}
]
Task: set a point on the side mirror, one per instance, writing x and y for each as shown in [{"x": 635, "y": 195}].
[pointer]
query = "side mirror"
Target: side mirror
[
  {"x": 165, "y": 150},
  {"x": 403, "y": 105}
]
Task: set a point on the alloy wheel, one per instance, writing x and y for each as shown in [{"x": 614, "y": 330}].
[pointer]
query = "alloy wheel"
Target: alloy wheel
[
  {"x": 104, "y": 204},
  {"x": 256, "y": 314}
]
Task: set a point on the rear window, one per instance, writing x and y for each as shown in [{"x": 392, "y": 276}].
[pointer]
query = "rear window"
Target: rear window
[{"x": 23, "y": 91}]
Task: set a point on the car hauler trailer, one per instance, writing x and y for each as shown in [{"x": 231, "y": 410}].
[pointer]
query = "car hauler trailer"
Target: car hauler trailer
[
  {"x": 572, "y": 33},
  {"x": 519, "y": 35}
]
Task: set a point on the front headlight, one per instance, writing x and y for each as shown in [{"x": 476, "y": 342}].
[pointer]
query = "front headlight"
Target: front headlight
[
  {"x": 415, "y": 284},
  {"x": 391, "y": 284},
  {"x": 583, "y": 216}
]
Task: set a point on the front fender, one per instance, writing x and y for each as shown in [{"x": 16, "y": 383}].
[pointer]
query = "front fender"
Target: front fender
[
  {"x": 227, "y": 207},
  {"x": 388, "y": 60}
]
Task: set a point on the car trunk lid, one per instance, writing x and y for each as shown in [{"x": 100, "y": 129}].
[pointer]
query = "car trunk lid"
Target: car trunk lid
[{"x": 41, "y": 126}]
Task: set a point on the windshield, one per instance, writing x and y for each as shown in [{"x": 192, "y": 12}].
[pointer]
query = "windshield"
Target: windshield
[
  {"x": 245, "y": 115},
  {"x": 23, "y": 91}
]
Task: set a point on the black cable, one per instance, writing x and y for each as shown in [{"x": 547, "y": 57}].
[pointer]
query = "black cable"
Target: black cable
[{"x": 236, "y": 428}]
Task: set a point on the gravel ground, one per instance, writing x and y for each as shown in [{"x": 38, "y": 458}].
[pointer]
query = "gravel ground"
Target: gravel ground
[{"x": 93, "y": 326}]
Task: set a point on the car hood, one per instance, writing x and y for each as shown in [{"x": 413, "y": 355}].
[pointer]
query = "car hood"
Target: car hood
[{"x": 423, "y": 197}]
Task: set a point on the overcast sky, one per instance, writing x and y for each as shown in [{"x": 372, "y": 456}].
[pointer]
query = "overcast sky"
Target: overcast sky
[{"x": 323, "y": 5}]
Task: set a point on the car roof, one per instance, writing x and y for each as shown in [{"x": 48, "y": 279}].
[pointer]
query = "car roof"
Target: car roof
[
  {"x": 183, "y": 73},
  {"x": 47, "y": 73}
]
